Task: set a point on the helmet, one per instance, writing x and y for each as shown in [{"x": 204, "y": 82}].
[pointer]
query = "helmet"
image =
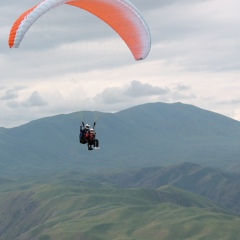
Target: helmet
[
  {"x": 87, "y": 126},
  {"x": 92, "y": 130}
]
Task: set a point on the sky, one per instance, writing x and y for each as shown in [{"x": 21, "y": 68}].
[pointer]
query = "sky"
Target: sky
[{"x": 69, "y": 61}]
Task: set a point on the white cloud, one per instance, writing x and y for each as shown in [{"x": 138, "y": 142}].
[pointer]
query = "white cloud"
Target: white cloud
[
  {"x": 124, "y": 96},
  {"x": 137, "y": 89},
  {"x": 35, "y": 100},
  {"x": 182, "y": 87},
  {"x": 177, "y": 96},
  {"x": 11, "y": 93}
]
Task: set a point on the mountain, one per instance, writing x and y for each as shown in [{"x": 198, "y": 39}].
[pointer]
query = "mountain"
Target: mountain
[
  {"x": 147, "y": 135},
  {"x": 217, "y": 185},
  {"x": 72, "y": 206}
]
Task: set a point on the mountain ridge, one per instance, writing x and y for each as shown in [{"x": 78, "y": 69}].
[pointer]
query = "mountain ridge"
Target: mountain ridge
[
  {"x": 217, "y": 185},
  {"x": 153, "y": 134}
]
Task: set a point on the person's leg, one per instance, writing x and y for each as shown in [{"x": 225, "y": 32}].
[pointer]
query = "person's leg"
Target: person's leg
[
  {"x": 96, "y": 143},
  {"x": 89, "y": 146}
]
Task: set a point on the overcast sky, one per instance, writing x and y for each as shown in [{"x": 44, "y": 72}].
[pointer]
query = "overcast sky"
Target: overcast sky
[{"x": 69, "y": 61}]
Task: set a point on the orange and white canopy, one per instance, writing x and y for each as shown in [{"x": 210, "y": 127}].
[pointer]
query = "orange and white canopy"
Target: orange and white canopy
[{"x": 121, "y": 15}]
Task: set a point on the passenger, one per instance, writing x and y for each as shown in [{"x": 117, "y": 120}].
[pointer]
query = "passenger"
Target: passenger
[{"x": 92, "y": 141}]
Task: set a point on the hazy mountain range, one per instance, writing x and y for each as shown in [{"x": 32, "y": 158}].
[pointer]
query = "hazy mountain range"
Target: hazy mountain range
[
  {"x": 218, "y": 185},
  {"x": 155, "y": 134}
]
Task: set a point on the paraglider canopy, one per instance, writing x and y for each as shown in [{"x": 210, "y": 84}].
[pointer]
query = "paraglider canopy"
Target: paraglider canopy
[{"x": 121, "y": 15}]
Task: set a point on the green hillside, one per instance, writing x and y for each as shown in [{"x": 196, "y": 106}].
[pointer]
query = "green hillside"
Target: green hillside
[
  {"x": 218, "y": 185},
  {"x": 59, "y": 208},
  {"x": 154, "y": 134}
]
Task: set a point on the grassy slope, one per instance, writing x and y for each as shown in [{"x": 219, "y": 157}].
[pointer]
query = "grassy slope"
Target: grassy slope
[
  {"x": 54, "y": 211},
  {"x": 218, "y": 185}
]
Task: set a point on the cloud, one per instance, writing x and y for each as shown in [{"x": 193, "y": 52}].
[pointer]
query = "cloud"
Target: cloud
[
  {"x": 182, "y": 87},
  {"x": 11, "y": 93},
  {"x": 197, "y": 37},
  {"x": 111, "y": 95},
  {"x": 35, "y": 100},
  {"x": 138, "y": 89},
  {"x": 231, "y": 102},
  {"x": 135, "y": 93},
  {"x": 154, "y": 4},
  {"x": 177, "y": 96}
]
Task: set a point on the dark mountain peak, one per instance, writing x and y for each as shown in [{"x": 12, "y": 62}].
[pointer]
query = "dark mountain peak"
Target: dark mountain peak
[{"x": 180, "y": 120}]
